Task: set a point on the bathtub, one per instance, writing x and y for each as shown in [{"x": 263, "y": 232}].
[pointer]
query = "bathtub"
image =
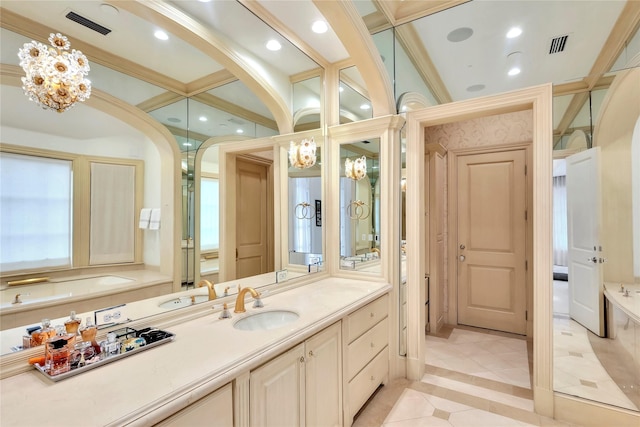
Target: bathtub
[{"x": 61, "y": 295}]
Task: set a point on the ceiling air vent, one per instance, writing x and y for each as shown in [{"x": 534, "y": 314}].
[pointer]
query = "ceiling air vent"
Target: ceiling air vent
[
  {"x": 88, "y": 23},
  {"x": 558, "y": 44}
]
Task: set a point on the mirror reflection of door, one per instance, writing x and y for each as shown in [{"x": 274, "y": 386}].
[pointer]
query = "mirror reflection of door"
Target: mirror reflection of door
[
  {"x": 254, "y": 217},
  {"x": 586, "y": 305},
  {"x": 491, "y": 229}
]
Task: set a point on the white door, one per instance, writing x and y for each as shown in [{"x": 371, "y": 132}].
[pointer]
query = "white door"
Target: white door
[{"x": 586, "y": 305}]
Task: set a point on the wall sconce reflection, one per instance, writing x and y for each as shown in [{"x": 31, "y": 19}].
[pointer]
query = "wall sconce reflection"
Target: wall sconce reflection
[
  {"x": 302, "y": 155},
  {"x": 358, "y": 210},
  {"x": 304, "y": 211},
  {"x": 355, "y": 169}
]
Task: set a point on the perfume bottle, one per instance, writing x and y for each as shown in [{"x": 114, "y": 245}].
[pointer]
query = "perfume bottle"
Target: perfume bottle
[
  {"x": 72, "y": 324},
  {"x": 57, "y": 357},
  {"x": 89, "y": 332},
  {"x": 40, "y": 336},
  {"x": 110, "y": 346}
]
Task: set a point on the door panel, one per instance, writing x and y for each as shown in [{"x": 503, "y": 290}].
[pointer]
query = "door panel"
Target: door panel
[
  {"x": 253, "y": 219},
  {"x": 492, "y": 241},
  {"x": 586, "y": 305}
]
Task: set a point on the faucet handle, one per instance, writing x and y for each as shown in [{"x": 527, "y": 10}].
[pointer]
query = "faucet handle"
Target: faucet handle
[{"x": 258, "y": 302}]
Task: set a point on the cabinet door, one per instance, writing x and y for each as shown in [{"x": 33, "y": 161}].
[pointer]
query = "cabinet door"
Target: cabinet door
[
  {"x": 277, "y": 391},
  {"x": 216, "y": 409},
  {"x": 324, "y": 378}
]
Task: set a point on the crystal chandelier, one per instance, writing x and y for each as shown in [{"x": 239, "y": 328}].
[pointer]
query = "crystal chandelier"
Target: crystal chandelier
[{"x": 55, "y": 77}]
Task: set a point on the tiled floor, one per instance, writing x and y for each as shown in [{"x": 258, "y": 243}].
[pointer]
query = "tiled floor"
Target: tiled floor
[
  {"x": 473, "y": 378},
  {"x": 482, "y": 378}
]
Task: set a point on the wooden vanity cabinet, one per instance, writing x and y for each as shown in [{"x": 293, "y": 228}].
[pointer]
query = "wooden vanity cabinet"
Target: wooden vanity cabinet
[
  {"x": 215, "y": 409},
  {"x": 301, "y": 386},
  {"x": 366, "y": 356}
]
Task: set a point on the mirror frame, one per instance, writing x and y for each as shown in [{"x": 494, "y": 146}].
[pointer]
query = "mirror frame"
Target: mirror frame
[{"x": 387, "y": 129}]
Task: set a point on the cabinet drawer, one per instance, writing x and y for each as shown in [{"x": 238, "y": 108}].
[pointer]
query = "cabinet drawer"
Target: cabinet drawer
[
  {"x": 366, "y": 382},
  {"x": 365, "y": 348},
  {"x": 367, "y": 316}
]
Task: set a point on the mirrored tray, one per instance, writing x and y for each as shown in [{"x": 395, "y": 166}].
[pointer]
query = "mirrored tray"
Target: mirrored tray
[{"x": 155, "y": 337}]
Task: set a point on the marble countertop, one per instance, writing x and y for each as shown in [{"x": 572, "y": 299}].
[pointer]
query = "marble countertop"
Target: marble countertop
[
  {"x": 205, "y": 354},
  {"x": 629, "y": 304}
]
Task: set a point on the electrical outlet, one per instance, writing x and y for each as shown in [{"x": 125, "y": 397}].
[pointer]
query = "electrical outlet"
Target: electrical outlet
[
  {"x": 281, "y": 276},
  {"x": 111, "y": 315},
  {"x": 371, "y": 237},
  {"x": 364, "y": 237}
]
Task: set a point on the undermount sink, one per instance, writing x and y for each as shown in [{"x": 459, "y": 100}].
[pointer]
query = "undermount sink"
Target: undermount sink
[
  {"x": 184, "y": 301},
  {"x": 266, "y": 320}
]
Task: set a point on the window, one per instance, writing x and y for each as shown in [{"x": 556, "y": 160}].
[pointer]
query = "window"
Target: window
[
  {"x": 35, "y": 212},
  {"x": 63, "y": 210},
  {"x": 209, "y": 214}
]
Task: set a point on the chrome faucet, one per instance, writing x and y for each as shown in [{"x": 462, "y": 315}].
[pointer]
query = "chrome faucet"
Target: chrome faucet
[
  {"x": 212, "y": 290},
  {"x": 240, "y": 300}
]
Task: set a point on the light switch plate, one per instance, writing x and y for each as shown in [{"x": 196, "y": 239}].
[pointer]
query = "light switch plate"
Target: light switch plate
[
  {"x": 281, "y": 276},
  {"x": 111, "y": 315}
]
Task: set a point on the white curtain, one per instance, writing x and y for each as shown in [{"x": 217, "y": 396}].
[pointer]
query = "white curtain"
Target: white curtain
[
  {"x": 35, "y": 212},
  {"x": 209, "y": 214},
  {"x": 112, "y": 214},
  {"x": 560, "y": 220}
]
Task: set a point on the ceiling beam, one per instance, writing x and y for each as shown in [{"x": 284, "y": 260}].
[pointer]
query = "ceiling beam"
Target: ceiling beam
[
  {"x": 413, "y": 46},
  {"x": 624, "y": 29},
  {"x": 401, "y": 12}
]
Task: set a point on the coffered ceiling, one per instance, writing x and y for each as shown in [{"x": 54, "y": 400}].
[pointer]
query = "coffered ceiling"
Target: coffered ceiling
[{"x": 450, "y": 50}]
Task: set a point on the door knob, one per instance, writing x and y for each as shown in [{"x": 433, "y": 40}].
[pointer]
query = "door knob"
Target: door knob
[
  {"x": 462, "y": 246},
  {"x": 593, "y": 260},
  {"x": 461, "y": 258}
]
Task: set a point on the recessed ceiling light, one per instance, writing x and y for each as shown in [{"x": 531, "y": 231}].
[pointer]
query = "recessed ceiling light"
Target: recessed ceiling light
[
  {"x": 459, "y": 34},
  {"x": 319, "y": 27},
  {"x": 365, "y": 106},
  {"x": 109, "y": 9},
  {"x": 514, "y": 32},
  {"x": 202, "y": 119},
  {"x": 514, "y": 71},
  {"x": 161, "y": 35},
  {"x": 239, "y": 131},
  {"x": 274, "y": 45},
  {"x": 186, "y": 144},
  {"x": 475, "y": 88},
  {"x": 341, "y": 89}
]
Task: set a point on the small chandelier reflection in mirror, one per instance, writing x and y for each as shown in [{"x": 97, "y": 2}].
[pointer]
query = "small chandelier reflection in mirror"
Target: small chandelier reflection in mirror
[
  {"x": 302, "y": 155},
  {"x": 55, "y": 77},
  {"x": 355, "y": 169}
]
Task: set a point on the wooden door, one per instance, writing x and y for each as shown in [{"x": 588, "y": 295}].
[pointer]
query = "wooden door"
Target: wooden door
[
  {"x": 586, "y": 301},
  {"x": 254, "y": 219},
  {"x": 491, "y": 230}
]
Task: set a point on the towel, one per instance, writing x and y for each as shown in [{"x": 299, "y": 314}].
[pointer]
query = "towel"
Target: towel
[
  {"x": 145, "y": 217},
  {"x": 154, "y": 223}
]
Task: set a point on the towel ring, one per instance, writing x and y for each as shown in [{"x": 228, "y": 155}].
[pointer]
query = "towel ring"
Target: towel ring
[
  {"x": 358, "y": 210},
  {"x": 303, "y": 211}
]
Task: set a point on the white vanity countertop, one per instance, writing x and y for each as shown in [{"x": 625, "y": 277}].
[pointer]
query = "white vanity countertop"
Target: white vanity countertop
[
  {"x": 629, "y": 304},
  {"x": 205, "y": 354}
]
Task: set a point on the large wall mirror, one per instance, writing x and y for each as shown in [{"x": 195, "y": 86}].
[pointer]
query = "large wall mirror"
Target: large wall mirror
[
  {"x": 360, "y": 204},
  {"x": 198, "y": 103}
]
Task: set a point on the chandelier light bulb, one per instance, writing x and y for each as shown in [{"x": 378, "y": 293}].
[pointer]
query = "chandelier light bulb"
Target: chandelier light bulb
[{"x": 54, "y": 77}]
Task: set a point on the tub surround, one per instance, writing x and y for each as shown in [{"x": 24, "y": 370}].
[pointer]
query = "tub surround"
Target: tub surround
[
  {"x": 80, "y": 293},
  {"x": 163, "y": 380}
]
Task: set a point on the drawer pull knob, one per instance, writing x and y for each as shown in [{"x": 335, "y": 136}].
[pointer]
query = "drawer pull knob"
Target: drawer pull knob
[
  {"x": 301, "y": 359},
  {"x": 310, "y": 353},
  {"x": 373, "y": 378},
  {"x": 373, "y": 345},
  {"x": 372, "y": 315}
]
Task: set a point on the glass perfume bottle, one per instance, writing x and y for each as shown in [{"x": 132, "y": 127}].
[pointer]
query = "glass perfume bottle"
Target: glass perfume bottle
[
  {"x": 57, "y": 357},
  {"x": 110, "y": 347},
  {"x": 89, "y": 332},
  {"x": 40, "y": 336},
  {"x": 72, "y": 324}
]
